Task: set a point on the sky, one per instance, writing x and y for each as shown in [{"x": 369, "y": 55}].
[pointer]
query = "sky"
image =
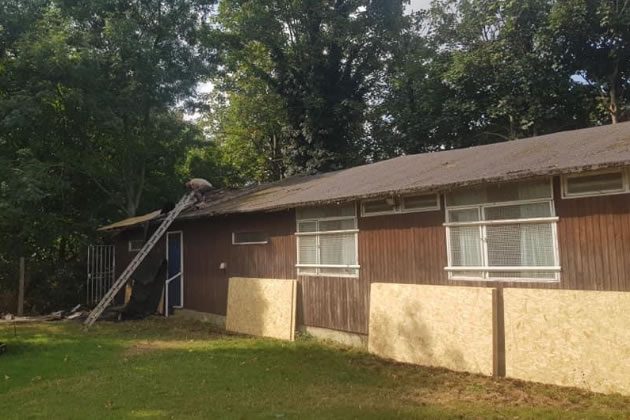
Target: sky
[{"x": 416, "y": 5}]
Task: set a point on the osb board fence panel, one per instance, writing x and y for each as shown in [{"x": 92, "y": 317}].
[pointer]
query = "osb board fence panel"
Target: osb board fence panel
[
  {"x": 442, "y": 326},
  {"x": 565, "y": 337},
  {"x": 263, "y": 307}
]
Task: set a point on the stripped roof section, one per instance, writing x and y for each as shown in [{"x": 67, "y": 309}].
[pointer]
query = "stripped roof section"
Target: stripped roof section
[
  {"x": 132, "y": 221},
  {"x": 552, "y": 154}
]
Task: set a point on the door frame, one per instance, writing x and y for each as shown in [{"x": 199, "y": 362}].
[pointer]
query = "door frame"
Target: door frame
[{"x": 181, "y": 267}]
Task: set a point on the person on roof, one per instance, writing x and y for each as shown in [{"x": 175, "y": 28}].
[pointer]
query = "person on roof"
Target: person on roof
[{"x": 199, "y": 186}]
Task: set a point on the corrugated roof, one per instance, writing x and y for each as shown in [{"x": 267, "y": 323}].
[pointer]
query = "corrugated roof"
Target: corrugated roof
[{"x": 563, "y": 152}]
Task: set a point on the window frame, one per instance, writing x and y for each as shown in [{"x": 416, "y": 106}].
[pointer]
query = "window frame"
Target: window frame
[
  {"x": 317, "y": 234},
  {"x": 130, "y": 248},
  {"x": 266, "y": 241},
  {"x": 485, "y": 269},
  {"x": 398, "y": 207},
  {"x": 625, "y": 189}
]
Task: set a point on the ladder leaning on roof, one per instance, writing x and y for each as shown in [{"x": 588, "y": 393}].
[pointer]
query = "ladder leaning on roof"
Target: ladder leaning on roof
[{"x": 183, "y": 203}]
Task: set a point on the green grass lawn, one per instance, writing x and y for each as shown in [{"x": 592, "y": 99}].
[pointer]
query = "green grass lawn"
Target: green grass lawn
[{"x": 185, "y": 370}]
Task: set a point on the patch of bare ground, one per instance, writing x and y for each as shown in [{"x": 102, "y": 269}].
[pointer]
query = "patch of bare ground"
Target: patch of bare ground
[
  {"x": 424, "y": 385},
  {"x": 449, "y": 388}
]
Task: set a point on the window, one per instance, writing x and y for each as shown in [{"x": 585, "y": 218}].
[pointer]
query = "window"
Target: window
[
  {"x": 503, "y": 233},
  {"x": 327, "y": 241},
  {"x": 403, "y": 204},
  {"x": 249, "y": 238},
  {"x": 595, "y": 183},
  {"x": 136, "y": 245}
]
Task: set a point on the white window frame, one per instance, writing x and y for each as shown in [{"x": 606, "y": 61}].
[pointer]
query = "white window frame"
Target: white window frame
[
  {"x": 484, "y": 269},
  {"x": 317, "y": 235},
  {"x": 399, "y": 207},
  {"x": 625, "y": 176},
  {"x": 266, "y": 241},
  {"x": 132, "y": 249}
]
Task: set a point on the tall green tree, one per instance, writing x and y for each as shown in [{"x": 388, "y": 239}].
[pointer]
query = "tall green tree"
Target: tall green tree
[
  {"x": 322, "y": 59},
  {"x": 478, "y": 71},
  {"x": 592, "y": 40},
  {"x": 89, "y": 129}
]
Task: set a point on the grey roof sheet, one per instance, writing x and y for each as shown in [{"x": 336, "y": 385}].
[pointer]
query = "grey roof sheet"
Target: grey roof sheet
[{"x": 563, "y": 152}]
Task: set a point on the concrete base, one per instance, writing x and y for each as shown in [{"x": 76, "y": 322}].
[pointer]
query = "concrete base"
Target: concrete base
[
  {"x": 339, "y": 337},
  {"x": 213, "y": 319},
  {"x": 324, "y": 334}
]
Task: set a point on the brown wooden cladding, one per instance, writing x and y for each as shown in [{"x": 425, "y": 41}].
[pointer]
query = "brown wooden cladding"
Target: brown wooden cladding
[
  {"x": 593, "y": 238},
  {"x": 403, "y": 248},
  {"x": 208, "y": 243},
  {"x": 594, "y": 242},
  {"x": 340, "y": 303}
]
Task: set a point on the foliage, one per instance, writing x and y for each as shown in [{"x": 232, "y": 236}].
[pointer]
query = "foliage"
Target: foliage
[
  {"x": 320, "y": 61},
  {"x": 478, "y": 71},
  {"x": 88, "y": 126},
  {"x": 592, "y": 39},
  {"x": 94, "y": 97}
]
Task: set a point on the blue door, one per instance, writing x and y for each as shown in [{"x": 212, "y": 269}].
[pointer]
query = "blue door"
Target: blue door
[{"x": 174, "y": 272}]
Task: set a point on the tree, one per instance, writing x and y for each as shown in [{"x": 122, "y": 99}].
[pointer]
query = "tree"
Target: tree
[
  {"x": 89, "y": 125},
  {"x": 146, "y": 58},
  {"x": 592, "y": 40},
  {"x": 321, "y": 59},
  {"x": 478, "y": 71}
]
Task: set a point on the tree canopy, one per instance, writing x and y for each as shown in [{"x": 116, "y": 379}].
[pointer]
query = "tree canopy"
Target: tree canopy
[{"x": 101, "y": 116}]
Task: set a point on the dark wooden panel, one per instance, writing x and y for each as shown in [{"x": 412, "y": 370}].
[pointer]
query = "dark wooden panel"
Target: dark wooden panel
[
  {"x": 404, "y": 248},
  {"x": 275, "y": 259},
  {"x": 208, "y": 243},
  {"x": 340, "y": 303},
  {"x": 205, "y": 247},
  {"x": 594, "y": 241}
]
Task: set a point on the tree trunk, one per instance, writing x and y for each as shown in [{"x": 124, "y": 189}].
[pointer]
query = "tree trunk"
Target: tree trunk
[
  {"x": 613, "y": 94},
  {"x": 20, "y": 308}
]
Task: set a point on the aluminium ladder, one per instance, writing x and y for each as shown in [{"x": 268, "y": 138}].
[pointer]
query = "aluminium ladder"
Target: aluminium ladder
[{"x": 183, "y": 203}]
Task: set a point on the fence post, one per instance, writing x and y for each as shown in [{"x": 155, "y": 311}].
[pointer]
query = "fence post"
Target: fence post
[
  {"x": 20, "y": 308},
  {"x": 498, "y": 333}
]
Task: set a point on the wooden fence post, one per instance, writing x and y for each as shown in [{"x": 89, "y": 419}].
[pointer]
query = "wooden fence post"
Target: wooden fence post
[
  {"x": 498, "y": 333},
  {"x": 20, "y": 308}
]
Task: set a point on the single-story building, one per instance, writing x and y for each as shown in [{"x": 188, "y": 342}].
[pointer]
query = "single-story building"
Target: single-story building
[{"x": 549, "y": 212}]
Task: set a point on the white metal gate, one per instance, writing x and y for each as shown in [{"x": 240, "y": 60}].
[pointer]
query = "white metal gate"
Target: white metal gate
[{"x": 101, "y": 269}]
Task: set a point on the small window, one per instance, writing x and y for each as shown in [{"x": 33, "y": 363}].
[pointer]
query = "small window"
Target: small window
[
  {"x": 423, "y": 202},
  {"x": 583, "y": 185},
  {"x": 380, "y": 206},
  {"x": 404, "y": 204},
  {"x": 136, "y": 245},
  {"x": 249, "y": 238}
]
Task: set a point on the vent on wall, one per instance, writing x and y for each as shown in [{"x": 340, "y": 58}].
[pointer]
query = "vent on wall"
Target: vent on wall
[{"x": 249, "y": 238}]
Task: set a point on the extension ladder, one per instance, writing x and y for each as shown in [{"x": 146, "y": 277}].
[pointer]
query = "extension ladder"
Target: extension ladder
[{"x": 183, "y": 203}]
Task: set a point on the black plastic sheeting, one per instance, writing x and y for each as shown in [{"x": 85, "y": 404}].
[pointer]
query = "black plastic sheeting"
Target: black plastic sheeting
[{"x": 147, "y": 284}]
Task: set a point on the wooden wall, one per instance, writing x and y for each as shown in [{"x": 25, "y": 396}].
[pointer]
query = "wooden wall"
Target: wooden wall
[
  {"x": 593, "y": 236},
  {"x": 208, "y": 243},
  {"x": 594, "y": 242}
]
